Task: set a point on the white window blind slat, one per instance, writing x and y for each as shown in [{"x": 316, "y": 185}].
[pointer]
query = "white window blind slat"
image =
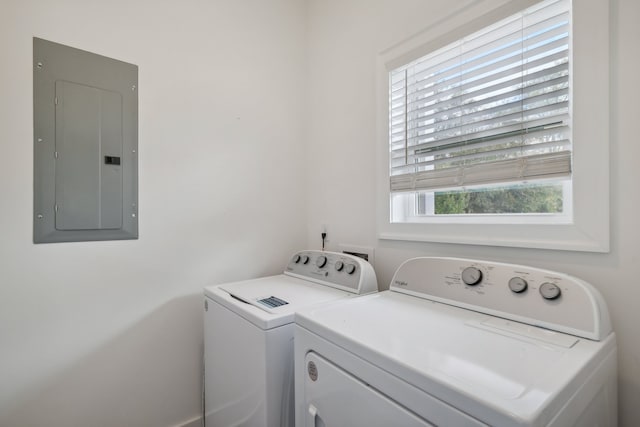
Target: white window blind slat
[
  {"x": 456, "y": 94},
  {"x": 538, "y": 132},
  {"x": 495, "y": 123},
  {"x": 542, "y": 81},
  {"x": 487, "y": 156},
  {"x": 548, "y": 65},
  {"x": 539, "y": 166},
  {"x": 490, "y": 108},
  {"x": 515, "y": 100},
  {"x": 561, "y": 131},
  {"x": 495, "y": 54},
  {"x": 485, "y": 151}
]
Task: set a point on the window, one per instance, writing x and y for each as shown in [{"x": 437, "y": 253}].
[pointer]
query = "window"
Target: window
[
  {"x": 490, "y": 108},
  {"x": 487, "y": 136}
]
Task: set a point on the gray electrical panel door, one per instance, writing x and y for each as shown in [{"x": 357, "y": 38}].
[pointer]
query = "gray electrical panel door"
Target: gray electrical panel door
[{"x": 85, "y": 131}]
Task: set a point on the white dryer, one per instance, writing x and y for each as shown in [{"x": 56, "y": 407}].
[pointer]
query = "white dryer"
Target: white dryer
[
  {"x": 248, "y": 328},
  {"x": 457, "y": 342}
]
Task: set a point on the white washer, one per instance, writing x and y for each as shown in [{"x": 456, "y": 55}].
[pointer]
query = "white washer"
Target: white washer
[
  {"x": 458, "y": 342},
  {"x": 248, "y": 328}
]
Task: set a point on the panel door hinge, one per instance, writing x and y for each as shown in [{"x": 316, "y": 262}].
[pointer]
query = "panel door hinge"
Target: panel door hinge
[
  {"x": 55, "y": 100},
  {"x": 55, "y": 154},
  {"x": 55, "y": 208}
]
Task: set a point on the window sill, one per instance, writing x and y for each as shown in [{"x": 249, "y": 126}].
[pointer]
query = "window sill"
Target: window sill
[{"x": 559, "y": 237}]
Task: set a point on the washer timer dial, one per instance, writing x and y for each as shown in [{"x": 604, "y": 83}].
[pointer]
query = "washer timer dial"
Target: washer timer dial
[{"x": 471, "y": 276}]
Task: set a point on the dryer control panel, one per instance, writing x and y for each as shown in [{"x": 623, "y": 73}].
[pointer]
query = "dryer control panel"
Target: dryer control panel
[
  {"x": 529, "y": 295},
  {"x": 338, "y": 270}
]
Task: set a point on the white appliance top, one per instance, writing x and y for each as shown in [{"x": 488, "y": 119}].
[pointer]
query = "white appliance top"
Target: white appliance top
[
  {"x": 456, "y": 334},
  {"x": 530, "y": 295},
  {"x": 311, "y": 277}
]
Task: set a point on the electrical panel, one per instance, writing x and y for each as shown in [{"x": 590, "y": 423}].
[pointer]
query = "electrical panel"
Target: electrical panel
[{"x": 85, "y": 145}]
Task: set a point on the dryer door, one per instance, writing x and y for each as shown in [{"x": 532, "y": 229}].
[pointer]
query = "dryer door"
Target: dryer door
[{"x": 334, "y": 398}]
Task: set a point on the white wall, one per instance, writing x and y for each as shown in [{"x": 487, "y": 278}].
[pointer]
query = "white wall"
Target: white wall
[
  {"x": 110, "y": 333},
  {"x": 345, "y": 38}
]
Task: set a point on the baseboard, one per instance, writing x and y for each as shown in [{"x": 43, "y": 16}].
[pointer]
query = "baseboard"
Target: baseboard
[{"x": 193, "y": 422}]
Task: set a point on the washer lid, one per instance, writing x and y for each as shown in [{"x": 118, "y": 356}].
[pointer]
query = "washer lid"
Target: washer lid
[
  {"x": 270, "y": 302},
  {"x": 492, "y": 368}
]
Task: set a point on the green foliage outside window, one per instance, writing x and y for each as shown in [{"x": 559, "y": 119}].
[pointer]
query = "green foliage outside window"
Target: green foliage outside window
[{"x": 523, "y": 199}]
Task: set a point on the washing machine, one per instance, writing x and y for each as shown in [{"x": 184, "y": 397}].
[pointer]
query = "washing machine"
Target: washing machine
[
  {"x": 459, "y": 342},
  {"x": 248, "y": 327}
]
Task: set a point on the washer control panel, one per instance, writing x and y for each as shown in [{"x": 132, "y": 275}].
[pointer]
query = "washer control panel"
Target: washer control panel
[
  {"x": 334, "y": 269},
  {"x": 530, "y": 295}
]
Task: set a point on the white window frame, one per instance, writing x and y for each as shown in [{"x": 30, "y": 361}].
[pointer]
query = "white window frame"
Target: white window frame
[{"x": 589, "y": 228}]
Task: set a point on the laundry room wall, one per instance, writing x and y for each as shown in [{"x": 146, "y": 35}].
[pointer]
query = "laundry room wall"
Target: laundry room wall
[
  {"x": 345, "y": 38},
  {"x": 110, "y": 333}
]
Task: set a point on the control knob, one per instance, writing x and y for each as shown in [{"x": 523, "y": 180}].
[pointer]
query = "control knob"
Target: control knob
[
  {"x": 305, "y": 259},
  {"x": 321, "y": 261},
  {"x": 350, "y": 268},
  {"x": 471, "y": 276},
  {"x": 550, "y": 290},
  {"x": 517, "y": 285},
  {"x": 339, "y": 265}
]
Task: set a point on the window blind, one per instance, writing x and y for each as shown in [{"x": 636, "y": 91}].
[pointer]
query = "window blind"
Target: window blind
[{"x": 492, "y": 107}]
